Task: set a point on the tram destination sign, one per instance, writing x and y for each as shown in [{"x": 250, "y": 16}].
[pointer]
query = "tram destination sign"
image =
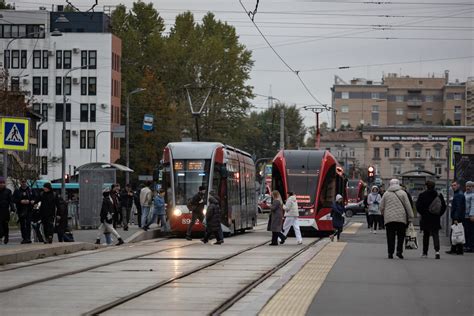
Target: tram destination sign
[{"x": 410, "y": 138}]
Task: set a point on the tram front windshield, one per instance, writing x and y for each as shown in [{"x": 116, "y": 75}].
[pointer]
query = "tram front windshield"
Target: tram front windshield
[
  {"x": 303, "y": 183},
  {"x": 189, "y": 175}
]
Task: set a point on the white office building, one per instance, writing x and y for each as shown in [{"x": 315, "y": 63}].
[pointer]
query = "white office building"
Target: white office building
[{"x": 43, "y": 53}]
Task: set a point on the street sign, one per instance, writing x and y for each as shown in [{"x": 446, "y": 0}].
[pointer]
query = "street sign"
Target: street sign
[
  {"x": 145, "y": 178},
  {"x": 119, "y": 131},
  {"x": 14, "y": 133},
  {"x": 148, "y": 122},
  {"x": 456, "y": 146}
]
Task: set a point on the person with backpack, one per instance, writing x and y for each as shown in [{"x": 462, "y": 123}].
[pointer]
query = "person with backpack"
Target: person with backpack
[
  {"x": 431, "y": 206},
  {"x": 47, "y": 211},
  {"x": 107, "y": 212},
  {"x": 24, "y": 200},
  {"x": 468, "y": 221},
  {"x": 213, "y": 220},
  {"x": 196, "y": 207}
]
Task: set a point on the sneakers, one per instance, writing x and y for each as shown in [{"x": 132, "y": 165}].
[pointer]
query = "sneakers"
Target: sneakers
[
  {"x": 188, "y": 238},
  {"x": 97, "y": 241},
  {"x": 204, "y": 241},
  {"x": 399, "y": 255},
  {"x": 390, "y": 256},
  {"x": 437, "y": 256},
  {"x": 282, "y": 241},
  {"x": 424, "y": 256},
  {"x": 299, "y": 242},
  {"x": 120, "y": 242},
  {"x": 375, "y": 232},
  {"x": 219, "y": 242}
]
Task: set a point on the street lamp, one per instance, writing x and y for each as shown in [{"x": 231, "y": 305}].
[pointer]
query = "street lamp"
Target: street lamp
[
  {"x": 55, "y": 33},
  {"x": 127, "y": 132},
  {"x": 63, "y": 145}
]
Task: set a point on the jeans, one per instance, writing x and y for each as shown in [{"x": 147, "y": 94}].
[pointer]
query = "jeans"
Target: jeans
[
  {"x": 126, "y": 216},
  {"x": 426, "y": 240},
  {"x": 395, "y": 229},
  {"x": 163, "y": 222},
  {"x": 37, "y": 229},
  {"x": 107, "y": 229},
  {"x": 25, "y": 226},
  {"x": 194, "y": 218},
  {"x": 289, "y": 222},
  {"x": 145, "y": 214},
  {"x": 469, "y": 233}
]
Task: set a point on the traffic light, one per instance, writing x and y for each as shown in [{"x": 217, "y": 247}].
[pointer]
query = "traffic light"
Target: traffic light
[
  {"x": 370, "y": 174},
  {"x": 67, "y": 178}
]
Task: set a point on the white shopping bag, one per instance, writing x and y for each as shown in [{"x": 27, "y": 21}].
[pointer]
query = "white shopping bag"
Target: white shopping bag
[
  {"x": 411, "y": 238},
  {"x": 457, "y": 235}
]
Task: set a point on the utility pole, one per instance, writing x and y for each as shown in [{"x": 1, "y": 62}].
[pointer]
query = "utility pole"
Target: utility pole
[
  {"x": 316, "y": 110},
  {"x": 127, "y": 133},
  {"x": 282, "y": 128}
]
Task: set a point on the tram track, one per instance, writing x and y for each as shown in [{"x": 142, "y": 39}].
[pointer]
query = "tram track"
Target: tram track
[{"x": 224, "y": 306}]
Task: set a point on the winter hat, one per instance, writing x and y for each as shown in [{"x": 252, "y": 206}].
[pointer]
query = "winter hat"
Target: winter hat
[
  {"x": 394, "y": 182},
  {"x": 338, "y": 197},
  {"x": 470, "y": 183},
  {"x": 375, "y": 187},
  {"x": 47, "y": 185}
]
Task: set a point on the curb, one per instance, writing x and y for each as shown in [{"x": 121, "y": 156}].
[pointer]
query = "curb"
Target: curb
[{"x": 143, "y": 235}]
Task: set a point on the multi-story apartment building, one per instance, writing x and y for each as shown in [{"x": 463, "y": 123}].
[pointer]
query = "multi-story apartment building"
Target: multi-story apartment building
[
  {"x": 51, "y": 54},
  {"x": 470, "y": 101},
  {"x": 399, "y": 101}
]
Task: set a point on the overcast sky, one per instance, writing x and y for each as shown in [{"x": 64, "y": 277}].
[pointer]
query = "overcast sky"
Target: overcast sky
[{"x": 316, "y": 37}]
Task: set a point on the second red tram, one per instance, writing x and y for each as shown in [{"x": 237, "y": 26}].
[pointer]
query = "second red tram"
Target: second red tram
[
  {"x": 316, "y": 178},
  {"x": 356, "y": 191},
  {"x": 228, "y": 171}
]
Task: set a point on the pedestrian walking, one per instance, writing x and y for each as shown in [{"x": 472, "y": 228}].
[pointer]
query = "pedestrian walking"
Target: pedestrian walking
[
  {"x": 107, "y": 219},
  {"x": 138, "y": 206},
  {"x": 6, "y": 206},
  {"x": 337, "y": 213},
  {"x": 468, "y": 221},
  {"x": 159, "y": 212},
  {"x": 276, "y": 219},
  {"x": 146, "y": 202},
  {"x": 117, "y": 203},
  {"x": 213, "y": 220},
  {"x": 431, "y": 206},
  {"x": 47, "y": 211},
  {"x": 458, "y": 211},
  {"x": 24, "y": 200},
  {"x": 373, "y": 208},
  {"x": 126, "y": 205},
  {"x": 196, "y": 207},
  {"x": 291, "y": 217},
  {"x": 60, "y": 222},
  {"x": 398, "y": 213}
]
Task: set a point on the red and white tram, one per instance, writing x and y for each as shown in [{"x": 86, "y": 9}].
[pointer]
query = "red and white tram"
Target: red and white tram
[
  {"x": 228, "y": 171},
  {"x": 316, "y": 178}
]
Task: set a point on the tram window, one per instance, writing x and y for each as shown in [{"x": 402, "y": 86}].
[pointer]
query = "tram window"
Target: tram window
[
  {"x": 188, "y": 178},
  {"x": 328, "y": 189}
]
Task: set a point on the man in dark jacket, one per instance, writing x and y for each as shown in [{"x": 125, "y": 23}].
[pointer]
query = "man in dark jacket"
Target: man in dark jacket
[
  {"x": 458, "y": 209},
  {"x": 61, "y": 219},
  {"x": 106, "y": 218},
  {"x": 24, "y": 200},
  {"x": 126, "y": 198},
  {"x": 6, "y": 206},
  {"x": 430, "y": 221},
  {"x": 213, "y": 220},
  {"x": 196, "y": 207},
  {"x": 49, "y": 203},
  {"x": 116, "y": 200}
]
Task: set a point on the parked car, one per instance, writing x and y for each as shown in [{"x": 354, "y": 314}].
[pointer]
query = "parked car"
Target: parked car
[
  {"x": 264, "y": 203},
  {"x": 355, "y": 208}
]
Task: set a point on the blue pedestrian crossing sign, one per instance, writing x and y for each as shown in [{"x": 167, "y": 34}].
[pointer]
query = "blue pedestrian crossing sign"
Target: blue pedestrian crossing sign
[{"x": 14, "y": 133}]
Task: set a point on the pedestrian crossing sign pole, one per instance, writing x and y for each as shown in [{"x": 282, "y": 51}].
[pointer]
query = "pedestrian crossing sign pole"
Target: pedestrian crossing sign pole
[{"x": 14, "y": 133}]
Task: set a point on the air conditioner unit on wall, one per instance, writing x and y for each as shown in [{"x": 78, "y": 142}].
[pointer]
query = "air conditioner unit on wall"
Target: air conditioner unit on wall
[
  {"x": 103, "y": 105},
  {"x": 75, "y": 80},
  {"x": 74, "y": 133},
  {"x": 76, "y": 50}
]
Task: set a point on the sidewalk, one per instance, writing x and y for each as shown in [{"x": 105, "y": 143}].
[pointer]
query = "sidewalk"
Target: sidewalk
[{"x": 364, "y": 282}]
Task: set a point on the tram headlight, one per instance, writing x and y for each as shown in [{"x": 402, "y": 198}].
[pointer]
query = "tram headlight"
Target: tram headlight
[{"x": 177, "y": 212}]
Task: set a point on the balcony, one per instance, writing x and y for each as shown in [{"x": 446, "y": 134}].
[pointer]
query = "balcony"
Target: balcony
[
  {"x": 413, "y": 116},
  {"x": 414, "y": 103}
]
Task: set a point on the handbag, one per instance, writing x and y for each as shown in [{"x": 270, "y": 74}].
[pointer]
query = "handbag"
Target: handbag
[
  {"x": 457, "y": 234},
  {"x": 411, "y": 238}
]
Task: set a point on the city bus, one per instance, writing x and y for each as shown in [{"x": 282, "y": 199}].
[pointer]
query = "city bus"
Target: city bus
[
  {"x": 315, "y": 177},
  {"x": 228, "y": 171}
]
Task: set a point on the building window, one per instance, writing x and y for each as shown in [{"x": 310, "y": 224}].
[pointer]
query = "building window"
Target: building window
[
  {"x": 92, "y": 63},
  {"x": 92, "y": 86},
  {"x": 45, "y": 59},
  {"x": 44, "y": 85},
  {"x": 83, "y": 139},
  {"x": 37, "y": 108},
  {"x": 375, "y": 108},
  {"x": 344, "y": 122},
  {"x": 399, "y": 98},
  {"x": 83, "y": 58},
  {"x": 36, "y": 59},
  {"x": 375, "y": 115},
  {"x": 428, "y": 153},
  {"x": 437, "y": 153},
  {"x": 90, "y": 139},
  {"x": 407, "y": 153},
  {"x": 36, "y": 85},
  {"x": 457, "y": 109},
  {"x": 429, "y": 111},
  {"x": 67, "y": 85},
  {"x": 67, "y": 55},
  {"x": 44, "y": 111},
  {"x": 344, "y": 95},
  {"x": 438, "y": 169},
  {"x": 83, "y": 85},
  {"x": 396, "y": 153},
  {"x": 15, "y": 59},
  {"x": 23, "y": 59},
  {"x": 417, "y": 153},
  {"x": 375, "y": 95},
  {"x": 344, "y": 109},
  {"x": 44, "y": 165},
  {"x": 376, "y": 153},
  {"x": 92, "y": 112},
  {"x": 429, "y": 98},
  {"x": 387, "y": 152},
  {"x": 59, "y": 112},
  {"x": 59, "y": 59},
  {"x": 84, "y": 112},
  {"x": 44, "y": 138},
  {"x": 399, "y": 111},
  {"x": 457, "y": 96},
  {"x": 6, "y": 59},
  {"x": 15, "y": 84},
  {"x": 397, "y": 170},
  {"x": 352, "y": 152},
  {"x": 68, "y": 139}
]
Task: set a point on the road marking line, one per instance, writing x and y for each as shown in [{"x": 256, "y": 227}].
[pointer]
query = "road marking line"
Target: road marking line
[
  {"x": 352, "y": 229},
  {"x": 298, "y": 294}
]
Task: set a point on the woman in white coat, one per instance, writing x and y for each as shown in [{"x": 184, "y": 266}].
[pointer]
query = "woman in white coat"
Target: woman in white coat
[
  {"x": 373, "y": 202},
  {"x": 291, "y": 218}
]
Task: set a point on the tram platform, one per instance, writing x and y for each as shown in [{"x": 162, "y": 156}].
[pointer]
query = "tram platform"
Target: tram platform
[{"x": 355, "y": 277}]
